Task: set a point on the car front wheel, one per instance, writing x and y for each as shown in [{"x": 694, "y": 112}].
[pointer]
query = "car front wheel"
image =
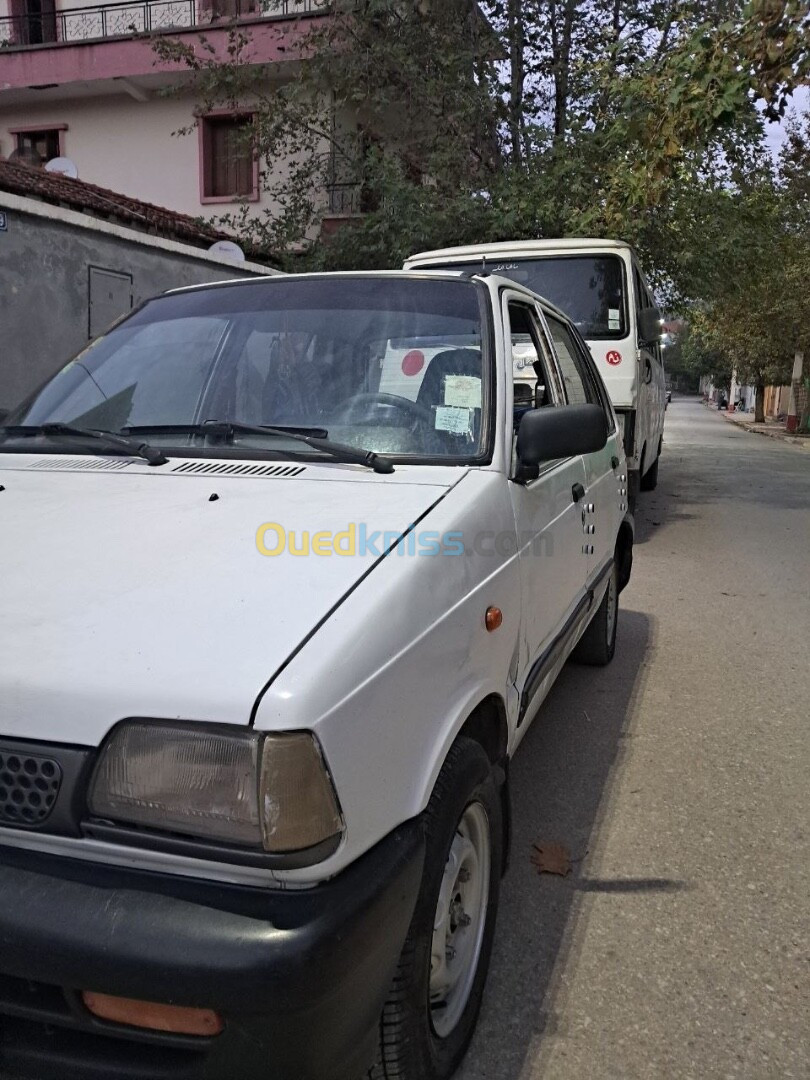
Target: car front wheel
[{"x": 429, "y": 1018}]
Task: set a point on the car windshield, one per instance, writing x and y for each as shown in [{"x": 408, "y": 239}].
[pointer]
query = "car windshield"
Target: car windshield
[
  {"x": 392, "y": 365},
  {"x": 589, "y": 289}
]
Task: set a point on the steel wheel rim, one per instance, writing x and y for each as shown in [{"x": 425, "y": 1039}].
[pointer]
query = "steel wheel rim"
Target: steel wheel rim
[
  {"x": 460, "y": 920},
  {"x": 612, "y": 607}
]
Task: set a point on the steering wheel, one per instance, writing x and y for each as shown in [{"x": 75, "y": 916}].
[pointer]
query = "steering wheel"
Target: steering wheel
[{"x": 419, "y": 414}]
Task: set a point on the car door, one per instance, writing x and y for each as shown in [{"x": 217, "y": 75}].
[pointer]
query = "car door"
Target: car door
[
  {"x": 553, "y": 563},
  {"x": 601, "y": 511}
]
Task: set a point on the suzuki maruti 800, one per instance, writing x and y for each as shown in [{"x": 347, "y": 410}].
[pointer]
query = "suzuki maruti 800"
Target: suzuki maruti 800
[{"x": 289, "y": 566}]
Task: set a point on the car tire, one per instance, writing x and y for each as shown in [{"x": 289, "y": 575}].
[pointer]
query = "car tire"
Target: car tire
[
  {"x": 429, "y": 1018},
  {"x": 649, "y": 481},
  {"x": 598, "y": 644}
]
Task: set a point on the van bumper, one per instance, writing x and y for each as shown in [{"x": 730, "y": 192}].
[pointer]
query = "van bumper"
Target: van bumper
[{"x": 298, "y": 977}]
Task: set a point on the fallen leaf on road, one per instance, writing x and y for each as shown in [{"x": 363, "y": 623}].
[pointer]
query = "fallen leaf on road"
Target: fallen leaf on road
[{"x": 551, "y": 859}]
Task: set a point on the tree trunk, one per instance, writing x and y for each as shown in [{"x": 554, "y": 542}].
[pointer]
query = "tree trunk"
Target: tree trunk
[
  {"x": 517, "y": 47},
  {"x": 667, "y": 29},
  {"x": 561, "y": 38},
  {"x": 759, "y": 404}
]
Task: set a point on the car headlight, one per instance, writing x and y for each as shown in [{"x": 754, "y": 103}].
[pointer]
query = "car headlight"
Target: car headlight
[{"x": 235, "y": 787}]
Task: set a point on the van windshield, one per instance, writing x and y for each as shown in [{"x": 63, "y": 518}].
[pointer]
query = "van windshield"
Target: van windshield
[
  {"x": 589, "y": 289},
  {"x": 391, "y": 365}
]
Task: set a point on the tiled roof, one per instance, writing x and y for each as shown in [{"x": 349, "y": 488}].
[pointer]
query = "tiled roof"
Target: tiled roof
[{"x": 102, "y": 203}]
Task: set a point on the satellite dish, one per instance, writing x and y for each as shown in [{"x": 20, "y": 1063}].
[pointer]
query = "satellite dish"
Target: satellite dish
[
  {"x": 64, "y": 166},
  {"x": 227, "y": 249}
]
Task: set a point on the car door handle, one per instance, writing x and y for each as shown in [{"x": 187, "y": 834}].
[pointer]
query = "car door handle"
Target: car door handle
[{"x": 577, "y": 492}]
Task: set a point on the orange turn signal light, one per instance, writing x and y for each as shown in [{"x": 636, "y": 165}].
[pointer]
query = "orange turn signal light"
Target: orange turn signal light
[
  {"x": 178, "y": 1019},
  {"x": 493, "y": 618}
]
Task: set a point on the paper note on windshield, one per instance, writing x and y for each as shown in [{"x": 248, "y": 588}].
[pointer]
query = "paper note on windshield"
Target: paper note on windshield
[
  {"x": 462, "y": 391},
  {"x": 614, "y": 318},
  {"x": 456, "y": 421}
]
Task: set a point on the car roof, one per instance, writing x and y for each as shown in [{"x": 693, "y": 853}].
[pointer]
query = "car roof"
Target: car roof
[{"x": 314, "y": 275}]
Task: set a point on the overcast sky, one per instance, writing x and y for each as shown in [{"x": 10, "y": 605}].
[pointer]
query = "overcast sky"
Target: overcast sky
[{"x": 775, "y": 133}]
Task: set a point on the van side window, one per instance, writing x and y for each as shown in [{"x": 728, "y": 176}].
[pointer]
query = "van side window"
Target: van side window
[
  {"x": 579, "y": 388},
  {"x": 587, "y": 368},
  {"x": 638, "y": 289}
]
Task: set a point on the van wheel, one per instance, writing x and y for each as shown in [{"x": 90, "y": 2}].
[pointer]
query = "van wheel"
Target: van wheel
[
  {"x": 649, "y": 481},
  {"x": 598, "y": 644},
  {"x": 632, "y": 490},
  {"x": 429, "y": 1018}
]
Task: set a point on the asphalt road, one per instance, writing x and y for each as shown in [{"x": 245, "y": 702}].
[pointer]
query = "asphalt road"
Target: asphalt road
[{"x": 679, "y": 779}]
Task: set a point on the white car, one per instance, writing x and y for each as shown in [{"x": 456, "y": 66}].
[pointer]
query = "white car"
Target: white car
[{"x": 270, "y": 637}]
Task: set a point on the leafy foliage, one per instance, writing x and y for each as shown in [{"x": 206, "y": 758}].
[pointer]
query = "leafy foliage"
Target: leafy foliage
[
  {"x": 759, "y": 311},
  {"x": 451, "y": 122}
]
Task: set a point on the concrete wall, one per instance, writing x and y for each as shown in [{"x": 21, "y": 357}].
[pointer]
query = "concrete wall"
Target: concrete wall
[
  {"x": 777, "y": 400},
  {"x": 46, "y": 256}
]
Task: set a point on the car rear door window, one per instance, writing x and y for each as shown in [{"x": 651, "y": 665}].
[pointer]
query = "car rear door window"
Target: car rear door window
[{"x": 579, "y": 388}]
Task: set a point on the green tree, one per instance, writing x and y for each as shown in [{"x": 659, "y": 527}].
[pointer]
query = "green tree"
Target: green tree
[
  {"x": 700, "y": 358},
  {"x": 380, "y": 95},
  {"x": 758, "y": 315},
  {"x": 632, "y": 118}
]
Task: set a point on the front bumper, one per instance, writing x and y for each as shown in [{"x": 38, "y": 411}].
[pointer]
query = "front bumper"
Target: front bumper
[{"x": 299, "y": 977}]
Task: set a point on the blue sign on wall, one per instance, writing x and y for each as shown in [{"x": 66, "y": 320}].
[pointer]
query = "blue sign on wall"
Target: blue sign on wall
[{"x": 3, "y": 221}]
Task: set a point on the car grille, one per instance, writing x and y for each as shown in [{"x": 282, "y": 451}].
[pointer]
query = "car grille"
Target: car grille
[{"x": 29, "y": 785}]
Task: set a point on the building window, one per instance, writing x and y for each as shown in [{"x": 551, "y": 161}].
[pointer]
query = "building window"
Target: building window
[
  {"x": 38, "y": 146},
  {"x": 229, "y": 167}
]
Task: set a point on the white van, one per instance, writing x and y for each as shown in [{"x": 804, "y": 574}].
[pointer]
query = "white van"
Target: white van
[
  {"x": 600, "y": 286},
  {"x": 290, "y": 566}
]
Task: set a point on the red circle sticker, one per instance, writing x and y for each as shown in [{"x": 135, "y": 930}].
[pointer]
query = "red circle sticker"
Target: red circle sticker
[
  {"x": 413, "y": 362},
  {"x": 614, "y": 357}
]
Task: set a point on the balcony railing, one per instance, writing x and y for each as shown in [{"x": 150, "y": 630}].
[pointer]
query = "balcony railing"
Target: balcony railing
[
  {"x": 102, "y": 21},
  {"x": 344, "y": 200}
]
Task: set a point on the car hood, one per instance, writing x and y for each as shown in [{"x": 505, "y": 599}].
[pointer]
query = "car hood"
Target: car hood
[{"x": 130, "y": 591}]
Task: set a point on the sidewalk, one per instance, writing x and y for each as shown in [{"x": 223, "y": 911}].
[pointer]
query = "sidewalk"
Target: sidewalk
[{"x": 772, "y": 428}]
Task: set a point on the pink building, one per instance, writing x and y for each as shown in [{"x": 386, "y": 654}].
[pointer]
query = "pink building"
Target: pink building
[{"x": 85, "y": 82}]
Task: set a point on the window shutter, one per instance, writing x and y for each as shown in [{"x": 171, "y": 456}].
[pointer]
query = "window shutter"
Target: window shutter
[
  {"x": 244, "y": 158},
  {"x": 229, "y": 165}
]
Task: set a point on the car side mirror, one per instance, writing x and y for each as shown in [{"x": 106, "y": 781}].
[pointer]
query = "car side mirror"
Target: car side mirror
[
  {"x": 649, "y": 325},
  {"x": 558, "y": 432}
]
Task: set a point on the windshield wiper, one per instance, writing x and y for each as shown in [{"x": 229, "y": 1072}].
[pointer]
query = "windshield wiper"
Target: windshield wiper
[
  {"x": 316, "y": 438},
  {"x": 55, "y": 430},
  {"x": 350, "y": 454}
]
